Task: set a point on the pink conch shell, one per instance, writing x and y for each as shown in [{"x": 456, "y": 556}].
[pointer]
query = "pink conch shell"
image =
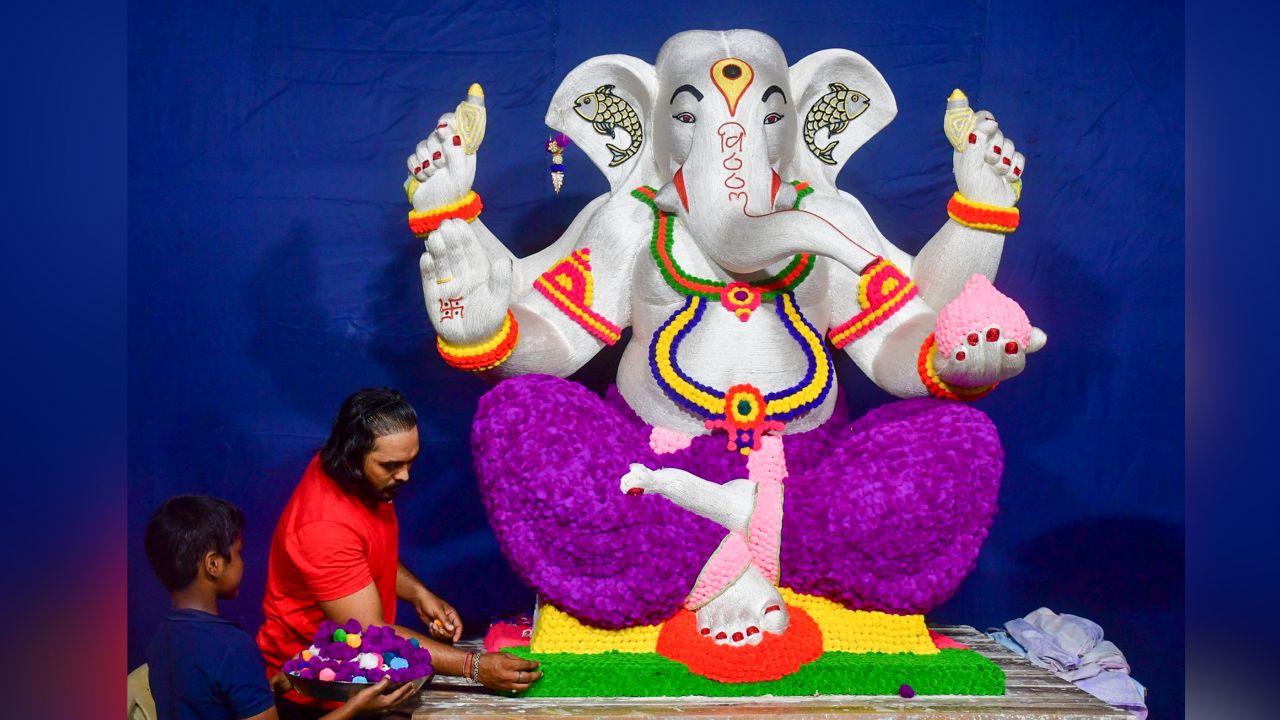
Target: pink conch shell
[{"x": 979, "y": 306}]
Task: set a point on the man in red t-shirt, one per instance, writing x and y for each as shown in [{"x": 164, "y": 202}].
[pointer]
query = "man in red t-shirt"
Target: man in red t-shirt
[{"x": 335, "y": 551}]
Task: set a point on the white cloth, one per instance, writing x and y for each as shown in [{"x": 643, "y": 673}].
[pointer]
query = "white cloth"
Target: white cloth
[{"x": 1072, "y": 648}]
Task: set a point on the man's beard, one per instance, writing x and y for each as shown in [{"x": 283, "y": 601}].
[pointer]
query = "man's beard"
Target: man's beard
[{"x": 388, "y": 492}]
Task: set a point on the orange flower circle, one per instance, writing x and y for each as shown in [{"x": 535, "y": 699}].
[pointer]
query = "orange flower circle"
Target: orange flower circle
[{"x": 776, "y": 657}]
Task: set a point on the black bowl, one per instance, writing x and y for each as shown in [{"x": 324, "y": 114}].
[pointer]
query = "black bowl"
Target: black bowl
[{"x": 340, "y": 691}]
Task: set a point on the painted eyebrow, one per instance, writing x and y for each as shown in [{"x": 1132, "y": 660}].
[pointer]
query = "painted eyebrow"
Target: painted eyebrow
[
  {"x": 689, "y": 89},
  {"x": 773, "y": 89}
]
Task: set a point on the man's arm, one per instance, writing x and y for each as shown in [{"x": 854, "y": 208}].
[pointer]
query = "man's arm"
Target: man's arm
[
  {"x": 407, "y": 584},
  {"x": 498, "y": 671},
  {"x": 441, "y": 619}
]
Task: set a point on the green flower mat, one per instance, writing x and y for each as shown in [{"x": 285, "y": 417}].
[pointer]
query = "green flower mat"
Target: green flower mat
[{"x": 616, "y": 674}]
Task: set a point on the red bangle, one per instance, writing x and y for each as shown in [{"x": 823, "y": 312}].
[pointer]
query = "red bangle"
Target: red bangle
[
  {"x": 981, "y": 216},
  {"x": 937, "y": 386},
  {"x": 468, "y": 208}
]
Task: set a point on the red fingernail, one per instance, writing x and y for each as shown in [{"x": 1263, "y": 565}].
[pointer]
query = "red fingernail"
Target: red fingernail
[
  {"x": 426, "y": 163},
  {"x": 436, "y": 155},
  {"x": 753, "y": 630},
  {"x": 721, "y": 636},
  {"x": 973, "y": 338},
  {"x": 457, "y": 141},
  {"x": 442, "y": 125},
  {"x": 1007, "y": 161},
  {"x": 636, "y": 491},
  {"x": 772, "y": 608},
  {"x": 993, "y": 334},
  {"x": 1011, "y": 347},
  {"x": 417, "y": 169},
  {"x": 737, "y": 637},
  {"x": 996, "y": 149},
  {"x": 706, "y": 631},
  {"x": 972, "y": 138},
  {"x": 959, "y": 355},
  {"x": 1017, "y": 171}
]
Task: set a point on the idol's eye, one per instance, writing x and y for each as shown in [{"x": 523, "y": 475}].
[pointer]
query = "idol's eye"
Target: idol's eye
[
  {"x": 685, "y": 117},
  {"x": 772, "y": 118}
]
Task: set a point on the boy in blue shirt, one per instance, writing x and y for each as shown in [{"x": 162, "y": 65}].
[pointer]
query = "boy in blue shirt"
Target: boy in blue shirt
[{"x": 202, "y": 666}]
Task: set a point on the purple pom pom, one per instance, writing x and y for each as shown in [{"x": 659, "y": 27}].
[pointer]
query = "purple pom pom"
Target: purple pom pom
[
  {"x": 352, "y": 626},
  {"x": 907, "y": 691},
  {"x": 324, "y": 633},
  {"x": 307, "y": 673}
]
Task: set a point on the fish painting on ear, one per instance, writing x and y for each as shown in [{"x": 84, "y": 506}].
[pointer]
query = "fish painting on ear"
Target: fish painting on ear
[{"x": 833, "y": 111}]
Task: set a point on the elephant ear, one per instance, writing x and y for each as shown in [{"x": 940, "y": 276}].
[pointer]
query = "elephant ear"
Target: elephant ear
[
  {"x": 842, "y": 100},
  {"x": 613, "y": 127}
]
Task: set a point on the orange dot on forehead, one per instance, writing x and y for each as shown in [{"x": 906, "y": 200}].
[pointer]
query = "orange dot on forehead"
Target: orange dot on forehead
[{"x": 731, "y": 77}]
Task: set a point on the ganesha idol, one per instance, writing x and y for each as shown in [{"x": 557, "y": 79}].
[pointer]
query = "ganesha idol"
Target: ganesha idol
[{"x": 718, "y": 499}]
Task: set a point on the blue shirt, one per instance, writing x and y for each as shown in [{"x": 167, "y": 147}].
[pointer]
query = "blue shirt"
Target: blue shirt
[{"x": 206, "y": 668}]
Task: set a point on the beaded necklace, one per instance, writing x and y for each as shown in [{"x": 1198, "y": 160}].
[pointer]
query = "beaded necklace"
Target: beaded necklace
[
  {"x": 740, "y": 298},
  {"x": 742, "y": 410}
]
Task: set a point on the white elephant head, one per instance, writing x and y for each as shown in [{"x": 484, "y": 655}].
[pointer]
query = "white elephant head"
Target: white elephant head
[{"x": 720, "y": 124}]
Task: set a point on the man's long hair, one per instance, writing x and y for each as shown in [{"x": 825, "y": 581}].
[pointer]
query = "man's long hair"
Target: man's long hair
[{"x": 364, "y": 417}]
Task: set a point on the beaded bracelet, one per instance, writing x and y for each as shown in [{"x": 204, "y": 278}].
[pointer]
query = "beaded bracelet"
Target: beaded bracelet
[
  {"x": 424, "y": 222},
  {"x": 939, "y": 387},
  {"x": 485, "y": 355},
  {"x": 981, "y": 216}
]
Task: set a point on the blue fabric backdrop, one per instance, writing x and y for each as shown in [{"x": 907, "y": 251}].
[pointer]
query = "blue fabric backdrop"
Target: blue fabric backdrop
[{"x": 270, "y": 271}]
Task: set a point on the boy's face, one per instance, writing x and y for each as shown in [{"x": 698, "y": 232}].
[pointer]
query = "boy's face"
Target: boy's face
[
  {"x": 228, "y": 581},
  {"x": 386, "y": 466}
]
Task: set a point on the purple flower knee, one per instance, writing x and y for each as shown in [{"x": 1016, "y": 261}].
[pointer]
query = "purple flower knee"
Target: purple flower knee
[{"x": 893, "y": 517}]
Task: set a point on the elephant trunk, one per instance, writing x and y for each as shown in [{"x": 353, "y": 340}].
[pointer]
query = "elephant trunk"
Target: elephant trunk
[{"x": 727, "y": 193}]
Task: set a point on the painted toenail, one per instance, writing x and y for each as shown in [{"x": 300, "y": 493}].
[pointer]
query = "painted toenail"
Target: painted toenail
[
  {"x": 737, "y": 637},
  {"x": 752, "y": 630},
  {"x": 721, "y": 636},
  {"x": 457, "y": 140},
  {"x": 973, "y": 338},
  {"x": 706, "y": 631},
  {"x": 1017, "y": 171},
  {"x": 1011, "y": 347},
  {"x": 436, "y": 155},
  {"x": 960, "y": 355},
  {"x": 972, "y": 138},
  {"x": 1007, "y": 161},
  {"x": 996, "y": 150},
  {"x": 993, "y": 334}
]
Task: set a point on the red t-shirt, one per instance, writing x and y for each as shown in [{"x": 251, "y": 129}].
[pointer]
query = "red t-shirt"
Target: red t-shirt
[{"x": 328, "y": 544}]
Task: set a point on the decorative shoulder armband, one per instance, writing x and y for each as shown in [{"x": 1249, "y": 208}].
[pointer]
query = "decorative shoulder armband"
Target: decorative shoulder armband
[
  {"x": 423, "y": 222},
  {"x": 882, "y": 291},
  {"x": 485, "y": 355},
  {"x": 570, "y": 286},
  {"x": 981, "y": 216}
]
